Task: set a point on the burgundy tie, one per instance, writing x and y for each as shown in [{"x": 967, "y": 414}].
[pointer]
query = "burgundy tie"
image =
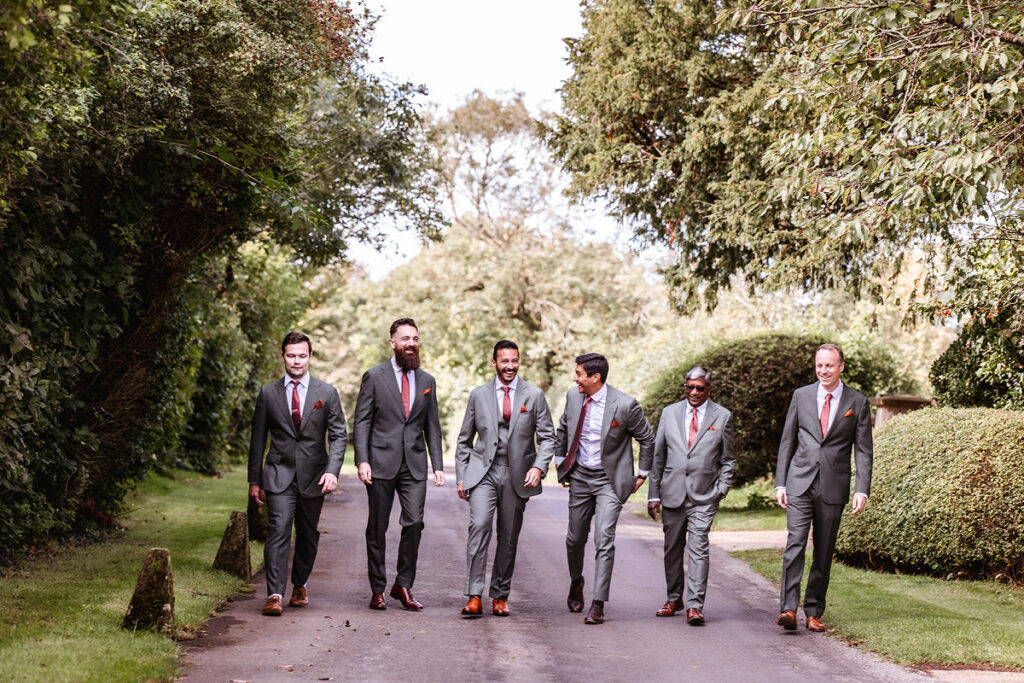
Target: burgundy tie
[
  {"x": 296, "y": 411},
  {"x": 824, "y": 415},
  {"x": 405, "y": 393},
  {"x": 506, "y": 405},
  {"x": 570, "y": 458},
  {"x": 693, "y": 428}
]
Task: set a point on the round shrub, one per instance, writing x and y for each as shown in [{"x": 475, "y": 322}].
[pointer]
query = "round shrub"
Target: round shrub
[
  {"x": 981, "y": 368},
  {"x": 755, "y": 377},
  {"x": 947, "y": 496}
]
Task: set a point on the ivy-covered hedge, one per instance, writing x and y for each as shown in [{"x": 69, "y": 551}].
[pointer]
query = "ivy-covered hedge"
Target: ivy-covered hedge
[
  {"x": 755, "y": 377},
  {"x": 947, "y": 496}
]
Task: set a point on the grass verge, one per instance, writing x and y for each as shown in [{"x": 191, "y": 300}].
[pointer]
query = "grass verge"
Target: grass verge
[
  {"x": 62, "y": 611},
  {"x": 915, "y": 619}
]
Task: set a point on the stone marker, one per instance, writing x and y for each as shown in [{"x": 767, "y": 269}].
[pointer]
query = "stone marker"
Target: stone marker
[
  {"x": 152, "y": 605},
  {"x": 233, "y": 554},
  {"x": 258, "y": 521}
]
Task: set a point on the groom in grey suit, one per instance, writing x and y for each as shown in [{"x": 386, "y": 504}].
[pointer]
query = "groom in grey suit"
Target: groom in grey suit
[
  {"x": 396, "y": 423},
  {"x": 594, "y": 455},
  {"x": 693, "y": 464},
  {"x": 504, "y": 447},
  {"x": 301, "y": 466},
  {"x": 826, "y": 421}
]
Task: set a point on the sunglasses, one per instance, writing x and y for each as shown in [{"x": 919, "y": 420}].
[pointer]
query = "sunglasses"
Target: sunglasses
[{"x": 694, "y": 387}]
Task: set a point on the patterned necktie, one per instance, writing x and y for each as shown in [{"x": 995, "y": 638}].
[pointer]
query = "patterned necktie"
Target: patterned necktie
[
  {"x": 824, "y": 415},
  {"x": 296, "y": 410},
  {"x": 405, "y": 393},
  {"x": 570, "y": 458},
  {"x": 506, "y": 405},
  {"x": 693, "y": 428}
]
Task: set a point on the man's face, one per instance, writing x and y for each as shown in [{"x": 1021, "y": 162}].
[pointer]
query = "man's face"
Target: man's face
[
  {"x": 507, "y": 365},
  {"x": 588, "y": 384},
  {"x": 406, "y": 341},
  {"x": 296, "y": 359},
  {"x": 828, "y": 367},
  {"x": 696, "y": 391}
]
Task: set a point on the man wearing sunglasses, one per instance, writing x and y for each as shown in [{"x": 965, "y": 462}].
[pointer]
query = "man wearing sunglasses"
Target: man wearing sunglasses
[{"x": 692, "y": 470}]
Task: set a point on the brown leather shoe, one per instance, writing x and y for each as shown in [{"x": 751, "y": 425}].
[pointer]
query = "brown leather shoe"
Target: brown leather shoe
[
  {"x": 499, "y": 606},
  {"x": 815, "y": 624},
  {"x": 595, "y": 615},
  {"x": 694, "y": 617},
  {"x": 273, "y": 606},
  {"x": 402, "y": 594},
  {"x": 787, "y": 620},
  {"x": 669, "y": 608},
  {"x": 473, "y": 608},
  {"x": 300, "y": 598},
  {"x": 575, "y": 599},
  {"x": 377, "y": 601}
]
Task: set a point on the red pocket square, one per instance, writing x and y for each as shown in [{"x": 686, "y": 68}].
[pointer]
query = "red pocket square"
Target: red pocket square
[
  {"x": 712, "y": 428},
  {"x": 426, "y": 391},
  {"x": 319, "y": 405},
  {"x": 849, "y": 413},
  {"x": 615, "y": 423},
  {"x": 523, "y": 410}
]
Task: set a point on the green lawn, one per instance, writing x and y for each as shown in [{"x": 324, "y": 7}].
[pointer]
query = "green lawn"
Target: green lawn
[
  {"x": 912, "y": 619},
  {"x": 62, "y": 611}
]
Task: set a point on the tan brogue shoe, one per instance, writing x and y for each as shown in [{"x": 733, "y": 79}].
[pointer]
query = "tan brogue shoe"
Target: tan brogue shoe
[
  {"x": 473, "y": 608},
  {"x": 273, "y": 606},
  {"x": 787, "y": 620},
  {"x": 300, "y": 598}
]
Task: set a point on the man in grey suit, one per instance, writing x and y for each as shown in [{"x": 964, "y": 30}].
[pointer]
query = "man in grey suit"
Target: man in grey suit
[
  {"x": 396, "y": 423},
  {"x": 594, "y": 455},
  {"x": 499, "y": 466},
  {"x": 826, "y": 421},
  {"x": 693, "y": 464},
  {"x": 301, "y": 467}
]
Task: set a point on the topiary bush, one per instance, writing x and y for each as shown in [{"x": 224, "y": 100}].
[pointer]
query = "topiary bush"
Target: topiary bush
[
  {"x": 755, "y": 377},
  {"x": 947, "y": 496}
]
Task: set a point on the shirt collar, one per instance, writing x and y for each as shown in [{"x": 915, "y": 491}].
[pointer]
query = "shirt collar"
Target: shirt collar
[
  {"x": 304, "y": 380},
  {"x": 836, "y": 393},
  {"x": 701, "y": 409},
  {"x": 601, "y": 394},
  {"x": 513, "y": 385}
]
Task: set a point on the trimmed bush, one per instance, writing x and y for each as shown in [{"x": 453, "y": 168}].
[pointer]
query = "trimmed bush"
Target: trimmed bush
[
  {"x": 983, "y": 368},
  {"x": 755, "y": 377},
  {"x": 947, "y": 496}
]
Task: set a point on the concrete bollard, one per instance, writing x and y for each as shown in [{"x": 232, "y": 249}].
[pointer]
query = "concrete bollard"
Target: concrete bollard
[
  {"x": 233, "y": 554},
  {"x": 152, "y": 604}
]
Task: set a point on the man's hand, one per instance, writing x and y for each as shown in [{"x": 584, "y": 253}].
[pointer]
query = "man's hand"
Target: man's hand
[
  {"x": 860, "y": 501},
  {"x": 438, "y": 477},
  {"x": 780, "y": 497},
  {"x": 329, "y": 482},
  {"x": 532, "y": 477},
  {"x": 654, "y": 509},
  {"x": 463, "y": 494},
  {"x": 365, "y": 474},
  {"x": 639, "y": 482},
  {"x": 257, "y": 495}
]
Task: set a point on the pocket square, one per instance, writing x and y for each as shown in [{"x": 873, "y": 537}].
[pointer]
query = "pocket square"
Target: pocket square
[
  {"x": 319, "y": 405},
  {"x": 615, "y": 423},
  {"x": 712, "y": 428},
  {"x": 426, "y": 391},
  {"x": 523, "y": 410},
  {"x": 849, "y": 413}
]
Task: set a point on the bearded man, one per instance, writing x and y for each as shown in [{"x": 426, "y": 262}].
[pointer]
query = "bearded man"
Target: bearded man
[{"x": 396, "y": 423}]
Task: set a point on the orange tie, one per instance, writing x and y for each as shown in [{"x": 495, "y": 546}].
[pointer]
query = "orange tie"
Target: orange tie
[
  {"x": 824, "y": 415},
  {"x": 405, "y": 393}
]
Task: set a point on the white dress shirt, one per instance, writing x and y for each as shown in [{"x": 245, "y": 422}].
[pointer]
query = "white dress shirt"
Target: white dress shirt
[
  {"x": 398, "y": 378},
  {"x": 303, "y": 386},
  {"x": 589, "y": 454},
  {"x": 499, "y": 393}
]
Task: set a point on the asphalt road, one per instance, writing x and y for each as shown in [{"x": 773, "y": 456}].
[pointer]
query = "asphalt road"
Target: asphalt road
[{"x": 338, "y": 638}]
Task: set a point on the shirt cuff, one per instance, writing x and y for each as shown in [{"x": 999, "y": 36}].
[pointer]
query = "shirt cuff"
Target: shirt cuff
[
  {"x": 643, "y": 473},
  {"x": 654, "y": 500},
  {"x": 779, "y": 488},
  {"x": 858, "y": 493}
]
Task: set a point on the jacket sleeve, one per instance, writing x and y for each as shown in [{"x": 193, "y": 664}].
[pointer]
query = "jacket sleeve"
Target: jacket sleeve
[
  {"x": 464, "y": 446},
  {"x": 728, "y": 457},
  {"x": 658, "y": 460},
  {"x": 787, "y": 445},
  {"x": 561, "y": 438},
  {"x": 640, "y": 429},
  {"x": 258, "y": 440},
  {"x": 363, "y": 423},
  {"x": 432, "y": 429},
  {"x": 337, "y": 435},
  {"x": 863, "y": 449},
  {"x": 545, "y": 430}
]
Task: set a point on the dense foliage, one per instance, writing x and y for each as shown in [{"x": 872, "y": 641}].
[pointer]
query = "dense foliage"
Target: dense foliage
[
  {"x": 755, "y": 376},
  {"x": 947, "y": 496}
]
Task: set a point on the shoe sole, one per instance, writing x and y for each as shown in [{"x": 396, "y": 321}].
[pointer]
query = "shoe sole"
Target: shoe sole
[
  {"x": 593, "y": 621},
  {"x": 789, "y": 625},
  {"x": 271, "y": 614},
  {"x": 695, "y": 622}
]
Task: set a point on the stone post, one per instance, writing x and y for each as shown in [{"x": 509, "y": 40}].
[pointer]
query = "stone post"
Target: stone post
[
  {"x": 233, "y": 554},
  {"x": 152, "y": 605}
]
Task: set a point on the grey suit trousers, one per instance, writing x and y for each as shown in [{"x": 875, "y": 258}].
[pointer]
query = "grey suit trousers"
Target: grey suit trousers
[
  {"x": 412, "y": 495},
  {"x": 591, "y": 496},
  {"x": 494, "y": 493},
  {"x": 282, "y": 509},
  {"x": 687, "y": 525},
  {"x": 802, "y": 510}
]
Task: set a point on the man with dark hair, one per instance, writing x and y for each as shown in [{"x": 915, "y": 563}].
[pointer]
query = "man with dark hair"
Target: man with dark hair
[
  {"x": 504, "y": 447},
  {"x": 826, "y": 422},
  {"x": 693, "y": 464},
  {"x": 301, "y": 466},
  {"x": 594, "y": 455},
  {"x": 396, "y": 423}
]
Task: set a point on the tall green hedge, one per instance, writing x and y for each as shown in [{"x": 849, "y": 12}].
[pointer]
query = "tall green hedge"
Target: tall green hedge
[
  {"x": 982, "y": 368},
  {"x": 947, "y": 496},
  {"x": 755, "y": 377}
]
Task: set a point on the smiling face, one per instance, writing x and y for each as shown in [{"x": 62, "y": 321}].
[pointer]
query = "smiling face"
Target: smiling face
[
  {"x": 406, "y": 344},
  {"x": 828, "y": 367},
  {"x": 296, "y": 359},
  {"x": 506, "y": 365},
  {"x": 696, "y": 391},
  {"x": 588, "y": 384}
]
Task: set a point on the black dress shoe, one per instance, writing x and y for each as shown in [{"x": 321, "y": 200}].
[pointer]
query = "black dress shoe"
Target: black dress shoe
[
  {"x": 595, "y": 615},
  {"x": 402, "y": 594},
  {"x": 575, "y": 599},
  {"x": 377, "y": 601}
]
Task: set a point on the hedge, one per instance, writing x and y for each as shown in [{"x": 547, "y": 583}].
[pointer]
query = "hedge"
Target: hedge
[{"x": 947, "y": 496}]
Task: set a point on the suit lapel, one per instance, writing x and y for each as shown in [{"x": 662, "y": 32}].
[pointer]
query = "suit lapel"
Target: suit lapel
[
  {"x": 387, "y": 375},
  {"x": 419, "y": 399},
  {"x": 517, "y": 404},
  {"x": 810, "y": 408},
  {"x": 491, "y": 406},
  {"x": 609, "y": 415},
  {"x": 312, "y": 394},
  {"x": 709, "y": 418},
  {"x": 844, "y": 404},
  {"x": 281, "y": 402}
]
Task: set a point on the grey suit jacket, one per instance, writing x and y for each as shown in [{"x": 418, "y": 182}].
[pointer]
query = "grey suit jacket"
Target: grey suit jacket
[
  {"x": 478, "y": 438},
  {"x": 623, "y": 421},
  {"x": 701, "y": 473},
  {"x": 384, "y": 437},
  {"x": 304, "y": 455},
  {"x": 803, "y": 453}
]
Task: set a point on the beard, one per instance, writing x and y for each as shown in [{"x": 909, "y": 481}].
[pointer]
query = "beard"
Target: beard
[{"x": 408, "y": 361}]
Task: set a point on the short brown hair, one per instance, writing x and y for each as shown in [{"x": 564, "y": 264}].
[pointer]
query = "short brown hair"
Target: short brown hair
[
  {"x": 296, "y": 338},
  {"x": 402, "y": 321},
  {"x": 831, "y": 347}
]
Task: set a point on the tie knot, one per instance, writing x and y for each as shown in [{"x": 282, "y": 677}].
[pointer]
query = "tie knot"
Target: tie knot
[
  {"x": 506, "y": 390},
  {"x": 693, "y": 410},
  {"x": 828, "y": 397}
]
